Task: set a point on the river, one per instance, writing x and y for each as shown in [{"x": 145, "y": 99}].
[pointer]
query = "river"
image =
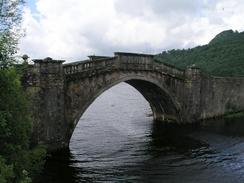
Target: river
[{"x": 116, "y": 140}]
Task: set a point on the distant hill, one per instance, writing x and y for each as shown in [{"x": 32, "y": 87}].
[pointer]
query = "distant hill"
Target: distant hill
[{"x": 223, "y": 56}]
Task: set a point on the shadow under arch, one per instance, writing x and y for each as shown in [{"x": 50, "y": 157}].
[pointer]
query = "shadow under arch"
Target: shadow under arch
[{"x": 163, "y": 104}]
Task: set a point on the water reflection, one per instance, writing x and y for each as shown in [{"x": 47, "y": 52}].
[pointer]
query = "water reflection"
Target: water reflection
[
  {"x": 227, "y": 127},
  {"x": 174, "y": 137},
  {"x": 121, "y": 143},
  {"x": 171, "y": 153},
  {"x": 59, "y": 169}
]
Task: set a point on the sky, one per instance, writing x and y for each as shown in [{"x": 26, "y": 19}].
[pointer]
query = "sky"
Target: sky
[{"x": 73, "y": 29}]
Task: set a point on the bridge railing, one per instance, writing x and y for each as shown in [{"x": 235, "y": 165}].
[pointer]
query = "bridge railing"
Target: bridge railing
[
  {"x": 169, "y": 69},
  {"x": 146, "y": 62},
  {"x": 134, "y": 61},
  {"x": 88, "y": 65},
  {"x": 123, "y": 61}
]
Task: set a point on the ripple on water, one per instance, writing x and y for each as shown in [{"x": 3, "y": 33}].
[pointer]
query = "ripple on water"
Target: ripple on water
[{"x": 120, "y": 143}]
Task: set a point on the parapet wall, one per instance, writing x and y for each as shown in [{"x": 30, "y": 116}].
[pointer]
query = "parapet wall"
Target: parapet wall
[
  {"x": 60, "y": 91},
  {"x": 221, "y": 95}
]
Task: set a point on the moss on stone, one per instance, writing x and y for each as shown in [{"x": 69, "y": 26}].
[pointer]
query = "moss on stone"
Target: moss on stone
[{"x": 237, "y": 115}]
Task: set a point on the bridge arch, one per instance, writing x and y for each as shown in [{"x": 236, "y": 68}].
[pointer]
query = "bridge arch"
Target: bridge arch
[
  {"x": 62, "y": 92},
  {"x": 164, "y": 104}
]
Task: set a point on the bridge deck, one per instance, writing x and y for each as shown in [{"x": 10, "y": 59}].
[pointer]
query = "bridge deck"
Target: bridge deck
[{"x": 122, "y": 61}]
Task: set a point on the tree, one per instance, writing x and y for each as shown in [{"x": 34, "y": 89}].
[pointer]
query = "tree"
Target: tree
[
  {"x": 6, "y": 171},
  {"x": 17, "y": 160},
  {"x": 223, "y": 56},
  {"x": 10, "y": 30}
]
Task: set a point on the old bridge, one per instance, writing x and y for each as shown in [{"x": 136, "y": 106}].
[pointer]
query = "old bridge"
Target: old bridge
[{"x": 62, "y": 92}]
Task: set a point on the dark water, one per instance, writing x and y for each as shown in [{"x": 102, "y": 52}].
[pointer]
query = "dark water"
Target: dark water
[{"x": 117, "y": 141}]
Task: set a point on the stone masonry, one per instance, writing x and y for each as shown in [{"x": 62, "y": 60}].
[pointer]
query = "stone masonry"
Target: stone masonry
[{"x": 62, "y": 92}]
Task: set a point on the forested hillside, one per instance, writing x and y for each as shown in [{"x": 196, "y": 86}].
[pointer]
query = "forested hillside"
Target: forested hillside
[{"x": 223, "y": 56}]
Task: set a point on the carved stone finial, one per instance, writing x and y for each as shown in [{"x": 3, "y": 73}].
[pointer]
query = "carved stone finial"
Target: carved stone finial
[
  {"x": 25, "y": 57},
  {"x": 193, "y": 66},
  {"x": 48, "y": 59}
]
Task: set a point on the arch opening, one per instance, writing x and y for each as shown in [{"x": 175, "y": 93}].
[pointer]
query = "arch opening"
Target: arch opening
[
  {"x": 117, "y": 113},
  {"x": 163, "y": 106}
]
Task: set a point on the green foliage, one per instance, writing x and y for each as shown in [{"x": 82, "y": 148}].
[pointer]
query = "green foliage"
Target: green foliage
[
  {"x": 239, "y": 115},
  {"x": 15, "y": 130},
  {"x": 10, "y": 30},
  {"x": 6, "y": 172},
  {"x": 36, "y": 161},
  {"x": 15, "y": 126},
  {"x": 226, "y": 36},
  {"x": 223, "y": 56},
  {"x": 26, "y": 178},
  {"x": 18, "y": 162}
]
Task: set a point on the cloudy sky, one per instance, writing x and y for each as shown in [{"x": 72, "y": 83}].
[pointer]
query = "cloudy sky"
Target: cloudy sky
[{"x": 73, "y": 29}]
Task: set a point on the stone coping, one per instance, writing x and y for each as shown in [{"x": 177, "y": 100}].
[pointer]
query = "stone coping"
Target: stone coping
[
  {"x": 47, "y": 60},
  {"x": 132, "y": 54}
]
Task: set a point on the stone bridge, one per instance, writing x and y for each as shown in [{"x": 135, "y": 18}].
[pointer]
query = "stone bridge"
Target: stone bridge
[{"x": 61, "y": 92}]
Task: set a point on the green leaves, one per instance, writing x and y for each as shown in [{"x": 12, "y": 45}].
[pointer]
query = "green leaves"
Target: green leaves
[
  {"x": 10, "y": 30},
  {"x": 36, "y": 160},
  {"x": 6, "y": 172},
  {"x": 14, "y": 109},
  {"x": 223, "y": 56},
  {"x": 10, "y": 14},
  {"x": 18, "y": 162},
  {"x": 22, "y": 162}
]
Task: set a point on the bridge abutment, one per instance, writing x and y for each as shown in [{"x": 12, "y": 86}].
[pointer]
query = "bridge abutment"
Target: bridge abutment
[
  {"x": 49, "y": 125},
  {"x": 62, "y": 92},
  {"x": 192, "y": 94}
]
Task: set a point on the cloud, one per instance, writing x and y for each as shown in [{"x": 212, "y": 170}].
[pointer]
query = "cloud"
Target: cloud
[{"x": 73, "y": 29}]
